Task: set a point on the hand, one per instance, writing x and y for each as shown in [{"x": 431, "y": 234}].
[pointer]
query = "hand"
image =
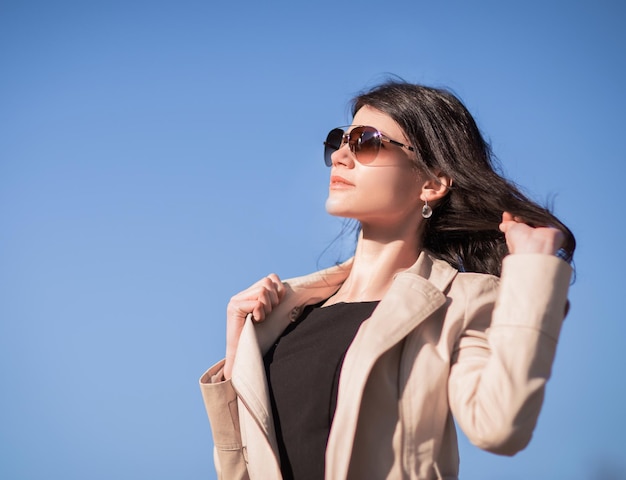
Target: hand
[
  {"x": 522, "y": 238},
  {"x": 259, "y": 300}
]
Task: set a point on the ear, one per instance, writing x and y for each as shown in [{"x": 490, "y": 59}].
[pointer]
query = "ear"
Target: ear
[{"x": 435, "y": 187}]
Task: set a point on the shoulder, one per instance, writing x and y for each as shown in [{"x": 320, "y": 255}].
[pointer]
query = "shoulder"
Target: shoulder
[
  {"x": 473, "y": 294},
  {"x": 461, "y": 284},
  {"x": 473, "y": 283}
]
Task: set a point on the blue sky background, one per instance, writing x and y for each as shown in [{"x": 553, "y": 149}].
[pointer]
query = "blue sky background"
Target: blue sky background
[{"x": 158, "y": 157}]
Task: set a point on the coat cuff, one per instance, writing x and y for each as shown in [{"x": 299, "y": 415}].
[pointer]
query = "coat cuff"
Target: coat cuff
[
  {"x": 536, "y": 285},
  {"x": 220, "y": 401}
]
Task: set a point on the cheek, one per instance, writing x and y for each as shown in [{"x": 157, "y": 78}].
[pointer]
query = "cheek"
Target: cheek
[
  {"x": 402, "y": 187},
  {"x": 378, "y": 191}
]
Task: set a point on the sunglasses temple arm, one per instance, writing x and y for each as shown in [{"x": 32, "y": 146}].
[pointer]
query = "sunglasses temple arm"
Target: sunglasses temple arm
[{"x": 398, "y": 144}]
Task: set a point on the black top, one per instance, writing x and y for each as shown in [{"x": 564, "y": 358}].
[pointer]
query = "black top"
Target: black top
[{"x": 303, "y": 374}]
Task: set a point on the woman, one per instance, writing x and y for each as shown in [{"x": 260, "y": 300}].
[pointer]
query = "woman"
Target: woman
[{"x": 450, "y": 308}]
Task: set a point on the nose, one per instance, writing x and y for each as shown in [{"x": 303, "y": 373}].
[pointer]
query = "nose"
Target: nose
[{"x": 343, "y": 156}]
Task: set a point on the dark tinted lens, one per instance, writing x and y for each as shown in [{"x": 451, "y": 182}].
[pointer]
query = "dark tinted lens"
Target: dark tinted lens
[
  {"x": 365, "y": 143},
  {"x": 332, "y": 143}
]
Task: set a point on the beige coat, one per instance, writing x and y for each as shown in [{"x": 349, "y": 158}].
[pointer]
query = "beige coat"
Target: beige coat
[{"x": 440, "y": 343}]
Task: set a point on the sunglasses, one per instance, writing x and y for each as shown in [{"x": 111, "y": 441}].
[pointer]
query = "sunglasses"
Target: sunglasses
[{"x": 364, "y": 142}]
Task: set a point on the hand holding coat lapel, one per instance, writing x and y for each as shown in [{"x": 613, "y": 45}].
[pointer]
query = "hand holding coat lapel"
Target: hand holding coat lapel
[
  {"x": 249, "y": 380},
  {"x": 413, "y": 296}
]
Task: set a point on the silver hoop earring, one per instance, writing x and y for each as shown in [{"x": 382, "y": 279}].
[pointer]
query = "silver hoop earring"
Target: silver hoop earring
[{"x": 427, "y": 212}]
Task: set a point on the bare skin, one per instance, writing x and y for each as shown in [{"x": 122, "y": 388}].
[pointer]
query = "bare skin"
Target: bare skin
[
  {"x": 259, "y": 300},
  {"x": 386, "y": 260},
  {"x": 521, "y": 238},
  {"x": 387, "y": 201}
]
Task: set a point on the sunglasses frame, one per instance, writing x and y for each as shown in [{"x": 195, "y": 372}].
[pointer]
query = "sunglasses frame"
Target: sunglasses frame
[{"x": 329, "y": 148}]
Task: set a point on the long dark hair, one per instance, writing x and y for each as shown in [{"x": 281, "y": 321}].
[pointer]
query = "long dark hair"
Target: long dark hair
[{"x": 463, "y": 229}]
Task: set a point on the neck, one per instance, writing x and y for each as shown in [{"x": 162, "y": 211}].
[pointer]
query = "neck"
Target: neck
[{"x": 378, "y": 257}]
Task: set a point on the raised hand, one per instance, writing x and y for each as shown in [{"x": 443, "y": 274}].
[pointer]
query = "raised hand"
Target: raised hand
[
  {"x": 522, "y": 238},
  {"x": 258, "y": 300}
]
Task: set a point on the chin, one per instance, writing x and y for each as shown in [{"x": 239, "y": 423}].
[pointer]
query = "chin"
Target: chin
[{"x": 333, "y": 208}]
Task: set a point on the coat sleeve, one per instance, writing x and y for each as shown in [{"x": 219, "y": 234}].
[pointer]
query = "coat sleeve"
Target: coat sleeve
[
  {"x": 220, "y": 401},
  {"x": 504, "y": 356}
]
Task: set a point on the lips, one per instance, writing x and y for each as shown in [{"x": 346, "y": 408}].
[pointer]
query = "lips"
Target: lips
[{"x": 339, "y": 182}]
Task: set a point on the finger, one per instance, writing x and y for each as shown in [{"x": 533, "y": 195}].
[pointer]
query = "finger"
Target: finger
[
  {"x": 276, "y": 289},
  {"x": 259, "y": 299},
  {"x": 256, "y": 289},
  {"x": 242, "y": 308},
  {"x": 258, "y": 314},
  {"x": 559, "y": 239},
  {"x": 270, "y": 294},
  {"x": 507, "y": 220},
  {"x": 552, "y": 237},
  {"x": 278, "y": 284},
  {"x": 252, "y": 299},
  {"x": 265, "y": 303}
]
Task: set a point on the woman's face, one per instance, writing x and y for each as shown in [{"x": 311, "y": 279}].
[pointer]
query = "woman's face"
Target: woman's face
[{"x": 382, "y": 193}]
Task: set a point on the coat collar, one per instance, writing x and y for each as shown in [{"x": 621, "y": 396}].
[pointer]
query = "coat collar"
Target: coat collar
[
  {"x": 414, "y": 295},
  {"x": 248, "y": 378}
]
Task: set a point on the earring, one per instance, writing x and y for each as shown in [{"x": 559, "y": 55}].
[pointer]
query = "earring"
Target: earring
[{"x": 427, "y": 212}]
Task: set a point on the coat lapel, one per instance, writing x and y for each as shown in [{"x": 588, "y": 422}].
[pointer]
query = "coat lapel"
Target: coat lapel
[
  {"x": 414, "y": 295},
  {"x": 249, "y": 380}
]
